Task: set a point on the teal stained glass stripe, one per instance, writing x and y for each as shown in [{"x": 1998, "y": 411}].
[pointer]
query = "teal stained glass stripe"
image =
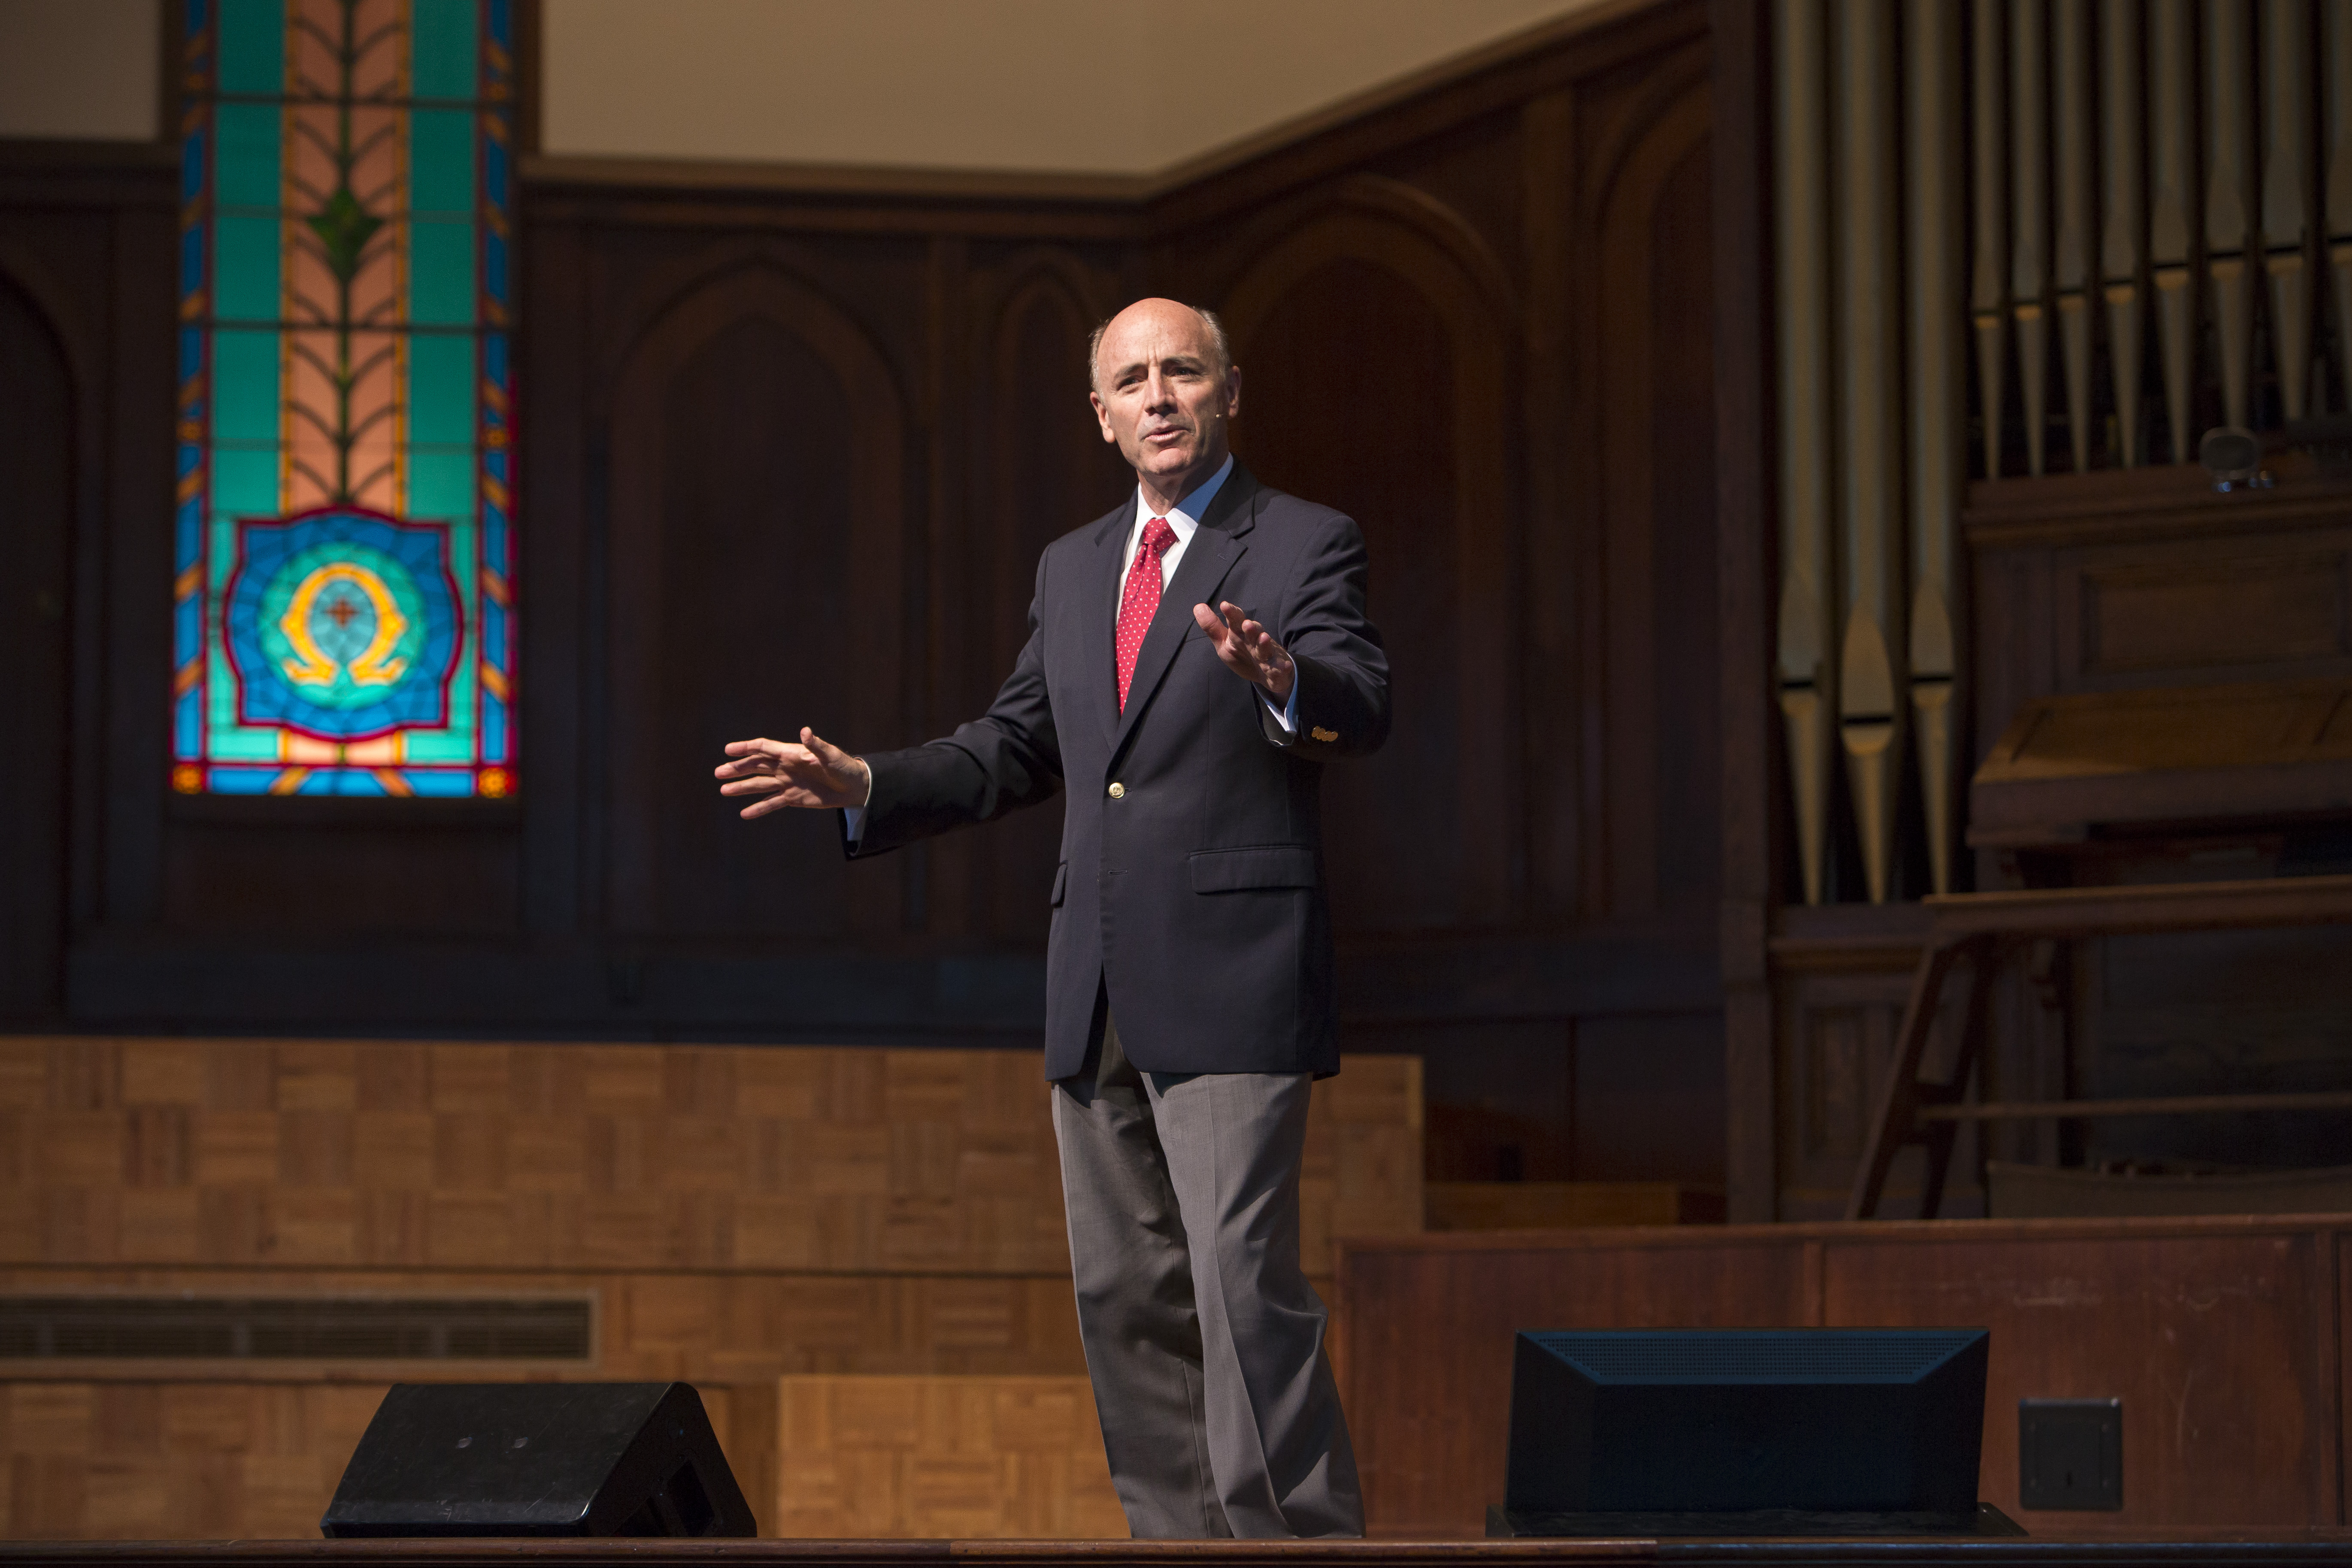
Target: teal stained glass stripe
[
  {"x": 252, "y": 46},
  {"x": 441, "y": 485},
  {"x": 441, "y": 272},
  {"x": 446, "y": 58},
  {"x": 441, "y": 162},
  {"x": 440, "y": 746},
  {"x": 441, "y": 389},
  {"x": 246, "y": 403},
  {"x": 246, "y": 156},
  {"x": 244, "y": 259},
  {"x": 245, "y": 484}
]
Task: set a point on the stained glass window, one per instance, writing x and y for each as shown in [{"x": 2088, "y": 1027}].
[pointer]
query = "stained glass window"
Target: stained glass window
[{"x": 345, "y": 601}]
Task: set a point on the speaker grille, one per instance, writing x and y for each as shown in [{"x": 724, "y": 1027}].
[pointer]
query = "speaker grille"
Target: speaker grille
[
  {"x": 295, "y": 1328},
  {"x": 1763, "y": 1356}
]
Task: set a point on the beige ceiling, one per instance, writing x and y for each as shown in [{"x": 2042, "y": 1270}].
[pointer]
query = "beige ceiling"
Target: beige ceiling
[
  {"x": 1059, "y": 85},
  {"x": 1072, "y": 86}
]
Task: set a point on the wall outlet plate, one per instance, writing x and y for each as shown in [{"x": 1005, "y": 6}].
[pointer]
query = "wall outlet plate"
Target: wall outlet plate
[{"x": 2070, "y": 1454}]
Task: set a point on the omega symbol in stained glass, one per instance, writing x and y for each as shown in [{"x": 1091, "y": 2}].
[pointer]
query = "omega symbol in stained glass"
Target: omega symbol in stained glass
[{"x": 343, "y": 625}]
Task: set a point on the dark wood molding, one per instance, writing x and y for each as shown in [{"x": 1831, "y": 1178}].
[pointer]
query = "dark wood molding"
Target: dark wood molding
[{"x": 605, "y": 177}]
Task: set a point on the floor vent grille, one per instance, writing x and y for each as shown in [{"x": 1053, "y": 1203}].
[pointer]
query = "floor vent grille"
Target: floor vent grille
[{"x": 297, "y": 1328}]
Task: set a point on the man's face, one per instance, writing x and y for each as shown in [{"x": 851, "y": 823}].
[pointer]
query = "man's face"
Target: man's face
[{"x": 1161, "y": 395}]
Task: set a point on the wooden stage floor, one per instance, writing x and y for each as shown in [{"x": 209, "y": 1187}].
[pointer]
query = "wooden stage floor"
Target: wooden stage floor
[{"x": 2332, "y": 1547}]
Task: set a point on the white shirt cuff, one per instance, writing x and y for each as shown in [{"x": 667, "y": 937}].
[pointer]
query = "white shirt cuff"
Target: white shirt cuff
[
  {"x": 1287, "y": 714},
  {"x": 852, "y": 818}
]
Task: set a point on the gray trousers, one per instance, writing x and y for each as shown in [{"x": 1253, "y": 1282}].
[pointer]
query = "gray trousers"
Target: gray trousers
[{"x": 1203, "y": 1338}]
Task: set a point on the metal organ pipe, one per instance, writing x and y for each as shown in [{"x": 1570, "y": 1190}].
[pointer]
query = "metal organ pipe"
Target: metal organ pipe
[
  {"x": 2228, "y": 149},
  {"x": 2029, "y": 210},
  {"x": 2336, "y": 64},
  {"x": 2122, "y": 252},
  {"x": 1800, "y": 247},
  {"x": 2286, "y": 174},
  {"x": 2070, "y": 102},
  {"x": 1938, "y": 404},
  {"x": 1988, "y": 193},
  {"x": 2172, "y": 156},
  {"x": 1870, "y": 686}
]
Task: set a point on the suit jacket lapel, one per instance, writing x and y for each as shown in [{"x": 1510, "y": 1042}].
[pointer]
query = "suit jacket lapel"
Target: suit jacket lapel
[
  {"x": 1216, "y": 544},
  {"x": 1098, "y": 617}
]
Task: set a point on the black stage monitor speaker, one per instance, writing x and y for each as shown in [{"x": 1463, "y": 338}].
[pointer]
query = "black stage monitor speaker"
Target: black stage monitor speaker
[
  {"x": 1862, "y": 1428},
  {"x": 539, "y": 1458}
]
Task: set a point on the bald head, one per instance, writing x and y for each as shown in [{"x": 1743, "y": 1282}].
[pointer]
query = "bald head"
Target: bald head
[
  {"x": 1164, "y": 386},
  {"x": 1159, "y": 312}
]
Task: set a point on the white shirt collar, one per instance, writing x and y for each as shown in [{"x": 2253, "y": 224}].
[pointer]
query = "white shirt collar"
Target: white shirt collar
[{"x": 1185, "y": 515}]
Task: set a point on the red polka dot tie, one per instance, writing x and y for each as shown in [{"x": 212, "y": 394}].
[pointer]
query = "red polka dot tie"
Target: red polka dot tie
[{"x": 1141, "y": 602}]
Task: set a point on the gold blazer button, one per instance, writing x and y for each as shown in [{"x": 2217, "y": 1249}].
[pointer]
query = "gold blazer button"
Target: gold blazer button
[{"x": 1119, "y": 792}]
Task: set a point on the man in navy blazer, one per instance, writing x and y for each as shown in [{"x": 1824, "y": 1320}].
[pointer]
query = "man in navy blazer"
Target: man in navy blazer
[{"x": 1189, "y": 973}]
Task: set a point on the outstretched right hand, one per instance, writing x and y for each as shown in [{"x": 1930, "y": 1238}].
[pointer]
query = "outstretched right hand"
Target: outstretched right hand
[{"x": 813, "y": 772}]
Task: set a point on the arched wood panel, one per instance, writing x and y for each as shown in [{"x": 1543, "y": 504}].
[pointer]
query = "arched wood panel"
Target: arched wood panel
[
  {"x": 1044, "y": 469},
  {"x": 1374, "y": 374},
  {"x": 1659, "y": 765},
  {"x": 755, "y": 584},
  {"x": 36, "y": 457}
]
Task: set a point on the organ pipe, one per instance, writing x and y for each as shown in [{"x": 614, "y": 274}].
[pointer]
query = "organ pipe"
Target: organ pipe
[
  {"x": 2286, "y": 169},
  {"x": 2121, "y": 255},
  {"x": 2228, "y": 155},
  {"x": 1987, "y": 285},
  {"x": 1870, "y": 722},
  {"x": 2029, "y": 209},
  {"x": 1801, "y": 226},
  {"x": 2173, "y": 174},
  {"x": 1938, "y": 411},
  {"x": 2335, "y": 63},
  {"x": 2071, "y": 120}
]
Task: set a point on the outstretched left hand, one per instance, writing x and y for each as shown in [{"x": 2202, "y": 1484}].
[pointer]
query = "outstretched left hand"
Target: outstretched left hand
[{"x": 1248, "y": 649}]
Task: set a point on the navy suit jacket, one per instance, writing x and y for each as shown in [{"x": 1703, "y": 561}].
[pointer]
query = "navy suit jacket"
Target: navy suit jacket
[{"x": 1191, "y": 887}]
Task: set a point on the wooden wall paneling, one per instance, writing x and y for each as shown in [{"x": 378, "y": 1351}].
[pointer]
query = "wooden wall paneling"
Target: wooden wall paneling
[
  {"x": 1841, "y": 977},
  {"x": 759, "y": 526},
  {"x": 1643, "y": 425},
  {"x": 2340, "y": 1352},
  {"x": 38, "y": 446},
  {"x": 2245, "y": 608},
  {"x": 942, "y": 1458},
  {"x": 2210, "y": 1339},
  {"x": 1655, "y": 589},
  {"x": 1553, "y": 744},
  {"x": 565, "y": 515},
  {"x": 190, "y": 1460},
  {"x": 87, "y": 247},
  {"x": 319, "y": 1154},
  {"x": 1434, "y": 496}
]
